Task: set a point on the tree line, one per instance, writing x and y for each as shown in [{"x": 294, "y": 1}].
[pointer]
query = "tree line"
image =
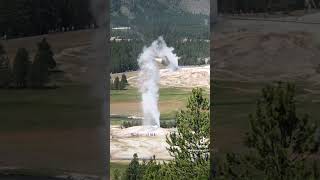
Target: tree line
[
  {"x": 138, "y": 122},
  {"x": 23, "y": 73},
  {"x": 155, "y": 18},
  {"x": 19, "y": 18},
  {"x": 227, "y": 6},
  {"x": 280, "y": 144},
  {"x": 124, "y": 54}
]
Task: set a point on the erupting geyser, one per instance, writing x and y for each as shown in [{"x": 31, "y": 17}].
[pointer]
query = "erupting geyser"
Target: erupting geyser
[{"x": 157, "y": 53}]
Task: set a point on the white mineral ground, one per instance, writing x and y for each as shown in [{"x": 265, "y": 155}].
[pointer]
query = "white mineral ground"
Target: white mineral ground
[
  {"x": 125, "y": 142},
  {"x": 185, "y": 77}
]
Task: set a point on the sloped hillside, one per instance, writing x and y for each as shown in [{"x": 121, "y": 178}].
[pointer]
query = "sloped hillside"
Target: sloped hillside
[{"x": 266, "y": 56}]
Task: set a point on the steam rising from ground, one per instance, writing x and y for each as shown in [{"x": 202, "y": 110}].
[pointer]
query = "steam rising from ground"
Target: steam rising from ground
[{"x": 149, "y": 78}]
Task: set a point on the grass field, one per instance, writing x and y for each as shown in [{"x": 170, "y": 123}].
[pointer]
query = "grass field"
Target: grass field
[
  {"x": 133, "y": 94},
  {"x": 65, "y": 107},
  {"x": 128, "y": 102}
]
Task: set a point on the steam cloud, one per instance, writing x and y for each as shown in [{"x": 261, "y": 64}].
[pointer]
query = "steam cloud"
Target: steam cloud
[{"x": 149, "y": 78}]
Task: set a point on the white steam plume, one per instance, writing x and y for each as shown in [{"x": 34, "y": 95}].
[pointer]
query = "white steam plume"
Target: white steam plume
[{"x": 149, "y": 78}]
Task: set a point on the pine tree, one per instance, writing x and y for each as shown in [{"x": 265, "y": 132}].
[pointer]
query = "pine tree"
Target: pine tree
[
  {"x": 42, "y": 63},
  {"x": 134, "y": 171},
  {"x": 124, "y": 79},
  {"x": 190, "y": 144},
  {"x": 116, "y": 83},
  {"x": 117, "y": 175},
  {"x": 191, "y": 140},
  {"x": 280, "y": 142},
  {"x": 4, "y": 61},
  {"x": 2, "y": 51},
  {"x": 20, "y": 67},
  {"x": 123, "y": 82},
  {"x": 47, "y": 54},
  {"x": 111, "y": 84},
  {"x": 5, "y": 75}
]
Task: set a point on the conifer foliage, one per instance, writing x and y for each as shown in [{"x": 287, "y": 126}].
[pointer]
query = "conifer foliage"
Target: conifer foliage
[
  {"x": 5, "y": 74},
  {"x": 43, "y": 61},
  {"x": 21, "y": 67},
  {"x": 118, "y": 84},
  {"x": 280, "y": 142}
]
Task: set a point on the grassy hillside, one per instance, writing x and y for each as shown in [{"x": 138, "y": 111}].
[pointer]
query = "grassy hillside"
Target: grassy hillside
[{"x": 56, "y": 130}]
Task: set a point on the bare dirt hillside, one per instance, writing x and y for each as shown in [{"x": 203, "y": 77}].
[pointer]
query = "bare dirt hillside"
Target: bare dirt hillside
[
  {"x": 266, "y": 56},
  {"x": 254, "y": 50}
]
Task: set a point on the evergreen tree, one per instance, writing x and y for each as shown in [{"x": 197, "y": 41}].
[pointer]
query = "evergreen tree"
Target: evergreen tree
[
  {"x": 2, "y": 51},
  {"x": 280, "y": 142},
  {"x": 191, "y": 140},
  {"x": 135, "y": 171},
  {"x": 123, "y": 82},
  {"x": 4, "y": 61},
  {"x": 116, "y": 83},
  {"x": 154, "y": 170},
  {"x": 117, "y": 174},
  {"x": 46, "y": 54},
  {"x": 43, "y": 61},
  {"x": 5, "y": 75},
  {"x": 20, "y": 67},
  {"x": 124, "y": 79},
  {"x": 190, "y": 144},
  {"x": 111, "y": 84}
]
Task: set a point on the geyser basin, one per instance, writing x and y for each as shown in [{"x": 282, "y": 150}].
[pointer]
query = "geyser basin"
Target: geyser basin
[
  {"x": 158, "y": 52},
  {"x": 126, "y": 142}
]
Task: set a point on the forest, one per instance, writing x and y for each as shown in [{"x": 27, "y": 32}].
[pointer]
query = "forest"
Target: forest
[
  {"x": 231, "y": 6},
  {"x": 20, "y": 18},
  {"x": 190, "y": 52}
]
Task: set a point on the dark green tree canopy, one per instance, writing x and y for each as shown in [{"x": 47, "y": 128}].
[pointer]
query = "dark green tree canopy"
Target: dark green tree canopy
[
  {"x": 191, "y": 142},
  {"x": 3, "y": 59},
  {"x": 43, "y": 61},
  {"x": 44, "y": 50},
  {"x": 116, "y": 83},
  {"x": 280, "y": 142},
  {"x": 20, "y": 67},
  {"x": 135, "y": 170},
  {"x": 33, "y": 17},
  {"x": 2, "y": 50},
  {"x": 123, "y": 82},
  {"x": 5, "y": 74}
]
